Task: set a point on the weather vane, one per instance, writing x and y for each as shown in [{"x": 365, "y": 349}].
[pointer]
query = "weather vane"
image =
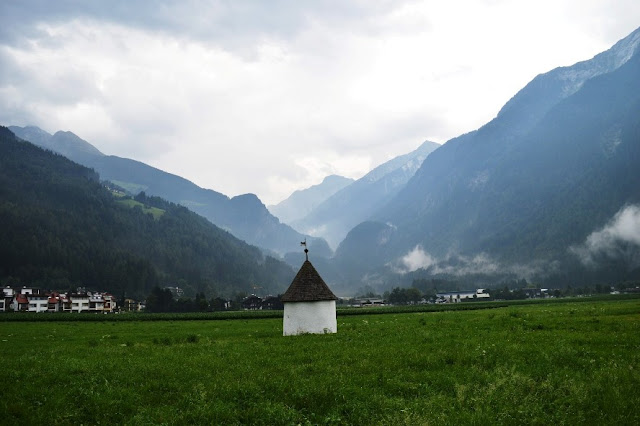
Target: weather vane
[{"x": 306, "y": 251}]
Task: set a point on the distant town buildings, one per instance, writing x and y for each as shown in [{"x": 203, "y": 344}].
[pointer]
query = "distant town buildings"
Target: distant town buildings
[
  {"x": 459, "y": 296},
  {"x": 29, "y": 299},
  {"x": 131, "y": 305},
  {"x": 368, "y": 302},
  {"x": 177, "y": 292},
  {"x": 254, "y": 303}
]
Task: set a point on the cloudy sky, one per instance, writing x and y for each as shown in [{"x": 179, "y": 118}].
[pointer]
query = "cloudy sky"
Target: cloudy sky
[{"x": 271, "y": 96}]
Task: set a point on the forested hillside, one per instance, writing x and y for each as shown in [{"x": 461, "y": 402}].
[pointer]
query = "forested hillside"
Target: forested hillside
[
  {"x": 530, "y": 193},
  {"x": 244, "y": 216},
  {"x": 61, "y": 228}
]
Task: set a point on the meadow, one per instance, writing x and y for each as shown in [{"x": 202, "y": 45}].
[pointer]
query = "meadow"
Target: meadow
[{"x": 544, "y": 363}]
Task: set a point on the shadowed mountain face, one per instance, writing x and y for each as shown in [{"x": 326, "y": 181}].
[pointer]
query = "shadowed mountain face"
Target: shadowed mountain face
[
  {"x": 522, "y": 192},
  {"x": 244, "y": 216},
  {"x": 355, "y": 203}
]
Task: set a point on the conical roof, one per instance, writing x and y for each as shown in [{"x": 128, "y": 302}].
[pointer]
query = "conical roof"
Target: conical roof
[{"x": 308, "y": 286}]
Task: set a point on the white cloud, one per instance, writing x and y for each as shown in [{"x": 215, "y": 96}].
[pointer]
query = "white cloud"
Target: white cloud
[
  {"x": 618, "y": 239},
  {"x": 416, "y": 259},
  {"x": 461, "y": 265},
  {"x": 268, "y": 97}
]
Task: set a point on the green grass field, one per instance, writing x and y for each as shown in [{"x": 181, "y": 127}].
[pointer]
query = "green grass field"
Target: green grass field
[
  {"x": 154, "y": 211},
  {"x": 560, "y": 363}
]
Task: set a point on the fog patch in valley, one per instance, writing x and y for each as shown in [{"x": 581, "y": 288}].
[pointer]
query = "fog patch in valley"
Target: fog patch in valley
[
  {"x": 619, "y": 239},
  {"x": 462, "y": 265}
]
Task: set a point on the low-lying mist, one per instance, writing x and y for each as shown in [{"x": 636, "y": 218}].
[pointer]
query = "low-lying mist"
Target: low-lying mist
[{"x": 619, "y": 239}]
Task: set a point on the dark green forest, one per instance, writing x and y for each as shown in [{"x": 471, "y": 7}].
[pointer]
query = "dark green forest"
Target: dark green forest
[{"x": 63, "y": 228}]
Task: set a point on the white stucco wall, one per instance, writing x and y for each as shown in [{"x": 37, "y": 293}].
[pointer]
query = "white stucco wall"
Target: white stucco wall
[{"x": 309, "y": 317}]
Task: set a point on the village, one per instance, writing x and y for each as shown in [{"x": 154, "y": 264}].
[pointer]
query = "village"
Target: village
[
  {"x": 35, "y": 300},
  {"x": 30, "y": 299}
]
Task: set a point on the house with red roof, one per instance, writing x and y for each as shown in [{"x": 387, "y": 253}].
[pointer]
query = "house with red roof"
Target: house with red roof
[
  {"x": 20, "y": 303},
  {"x": 54, "y": 304},
  {"x": 28, "y": 299}
]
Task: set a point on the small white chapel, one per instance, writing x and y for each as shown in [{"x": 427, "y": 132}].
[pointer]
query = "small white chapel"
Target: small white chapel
[{"x": 309, "y": 304}]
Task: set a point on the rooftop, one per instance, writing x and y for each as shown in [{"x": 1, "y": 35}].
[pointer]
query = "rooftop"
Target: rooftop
[{"x": 308, "y": 286}]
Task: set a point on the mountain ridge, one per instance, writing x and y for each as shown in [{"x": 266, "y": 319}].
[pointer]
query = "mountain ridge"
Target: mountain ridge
[
  {"x": 303, "y": 201},
  {"x": 334, "y": 217},
  {"x": 62, "y": 228},
  {"x": 257, "y": 227},
  {"x": 552, "y": 167}
]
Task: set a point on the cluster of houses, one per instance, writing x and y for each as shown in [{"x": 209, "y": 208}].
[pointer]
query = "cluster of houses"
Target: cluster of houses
[
  {"x": 459, "y": 296},
  {"x": 28, "y": 299},
  {"x": 442, "y": 297},
  {"x": 254, "y": 303}
]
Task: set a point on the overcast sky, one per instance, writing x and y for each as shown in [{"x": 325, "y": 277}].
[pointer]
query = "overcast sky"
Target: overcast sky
[{"x": 271, "y": 96}]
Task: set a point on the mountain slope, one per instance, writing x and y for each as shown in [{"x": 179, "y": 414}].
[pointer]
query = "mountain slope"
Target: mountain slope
[
  {"x": 62, "y": 228},
  {"x": 244, "y": 216},
  {"x": 303, "y": 201},
  {"x": 355, "y": 203},
  {"x": 556, "y": 164}
]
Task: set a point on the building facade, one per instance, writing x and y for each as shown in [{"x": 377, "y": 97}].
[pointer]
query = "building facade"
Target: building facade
[{"x": 309, "y": 304}]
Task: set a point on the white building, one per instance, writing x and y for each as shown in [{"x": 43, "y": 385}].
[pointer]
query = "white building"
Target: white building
[
  {"x": 309, "y": 304},
  {"x": 458, "y": 296},
  {"x": 96, "y": 302},
  {"x": 38, "y": 302},
  {"x": 79, "y": 302},
  {"x": 28, "y": 299},
  {"x": 109, "y": 303},
  {"x": 6, "y": 298},
  {"x": 27, "y": 290}
]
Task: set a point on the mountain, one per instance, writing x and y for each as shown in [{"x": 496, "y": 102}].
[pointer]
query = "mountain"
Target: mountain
[
  {"x": 303, "y": 201},
  {"x": 528, "y": 190},
  {"x": 62, "y": 228},
  {"x": 245, "y": 216},
  {"x": 355, "y": 203}
]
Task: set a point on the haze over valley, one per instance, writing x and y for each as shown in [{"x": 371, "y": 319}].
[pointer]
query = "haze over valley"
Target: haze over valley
[{"x": 547, "y": 191}]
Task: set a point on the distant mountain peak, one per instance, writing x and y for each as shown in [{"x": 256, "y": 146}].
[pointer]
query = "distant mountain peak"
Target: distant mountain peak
[
  {"x": 531, "y": 103},
  {"x": 415, "y": 157},
  {"x": 32, "y": 134},
  {"x": 624, "y": 49},
  {"x": 248, "y": 199},
  {"x": 36, "y": 130},
  {"x": 66, "y": 143},
  {"x": 351, "y": 205},
  {"x": 336, "y": 178},
  {"x": 302, "y": 201}
]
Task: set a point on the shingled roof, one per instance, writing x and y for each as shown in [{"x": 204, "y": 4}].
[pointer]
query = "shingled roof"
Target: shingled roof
[{"x": 308, "y": 286}]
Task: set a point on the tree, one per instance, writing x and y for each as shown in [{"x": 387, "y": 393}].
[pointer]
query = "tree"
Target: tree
[
  {"x": 201, "y": 303},
  {"x": 160, "y": 300},
  {"x": 413, "y": 295}
]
